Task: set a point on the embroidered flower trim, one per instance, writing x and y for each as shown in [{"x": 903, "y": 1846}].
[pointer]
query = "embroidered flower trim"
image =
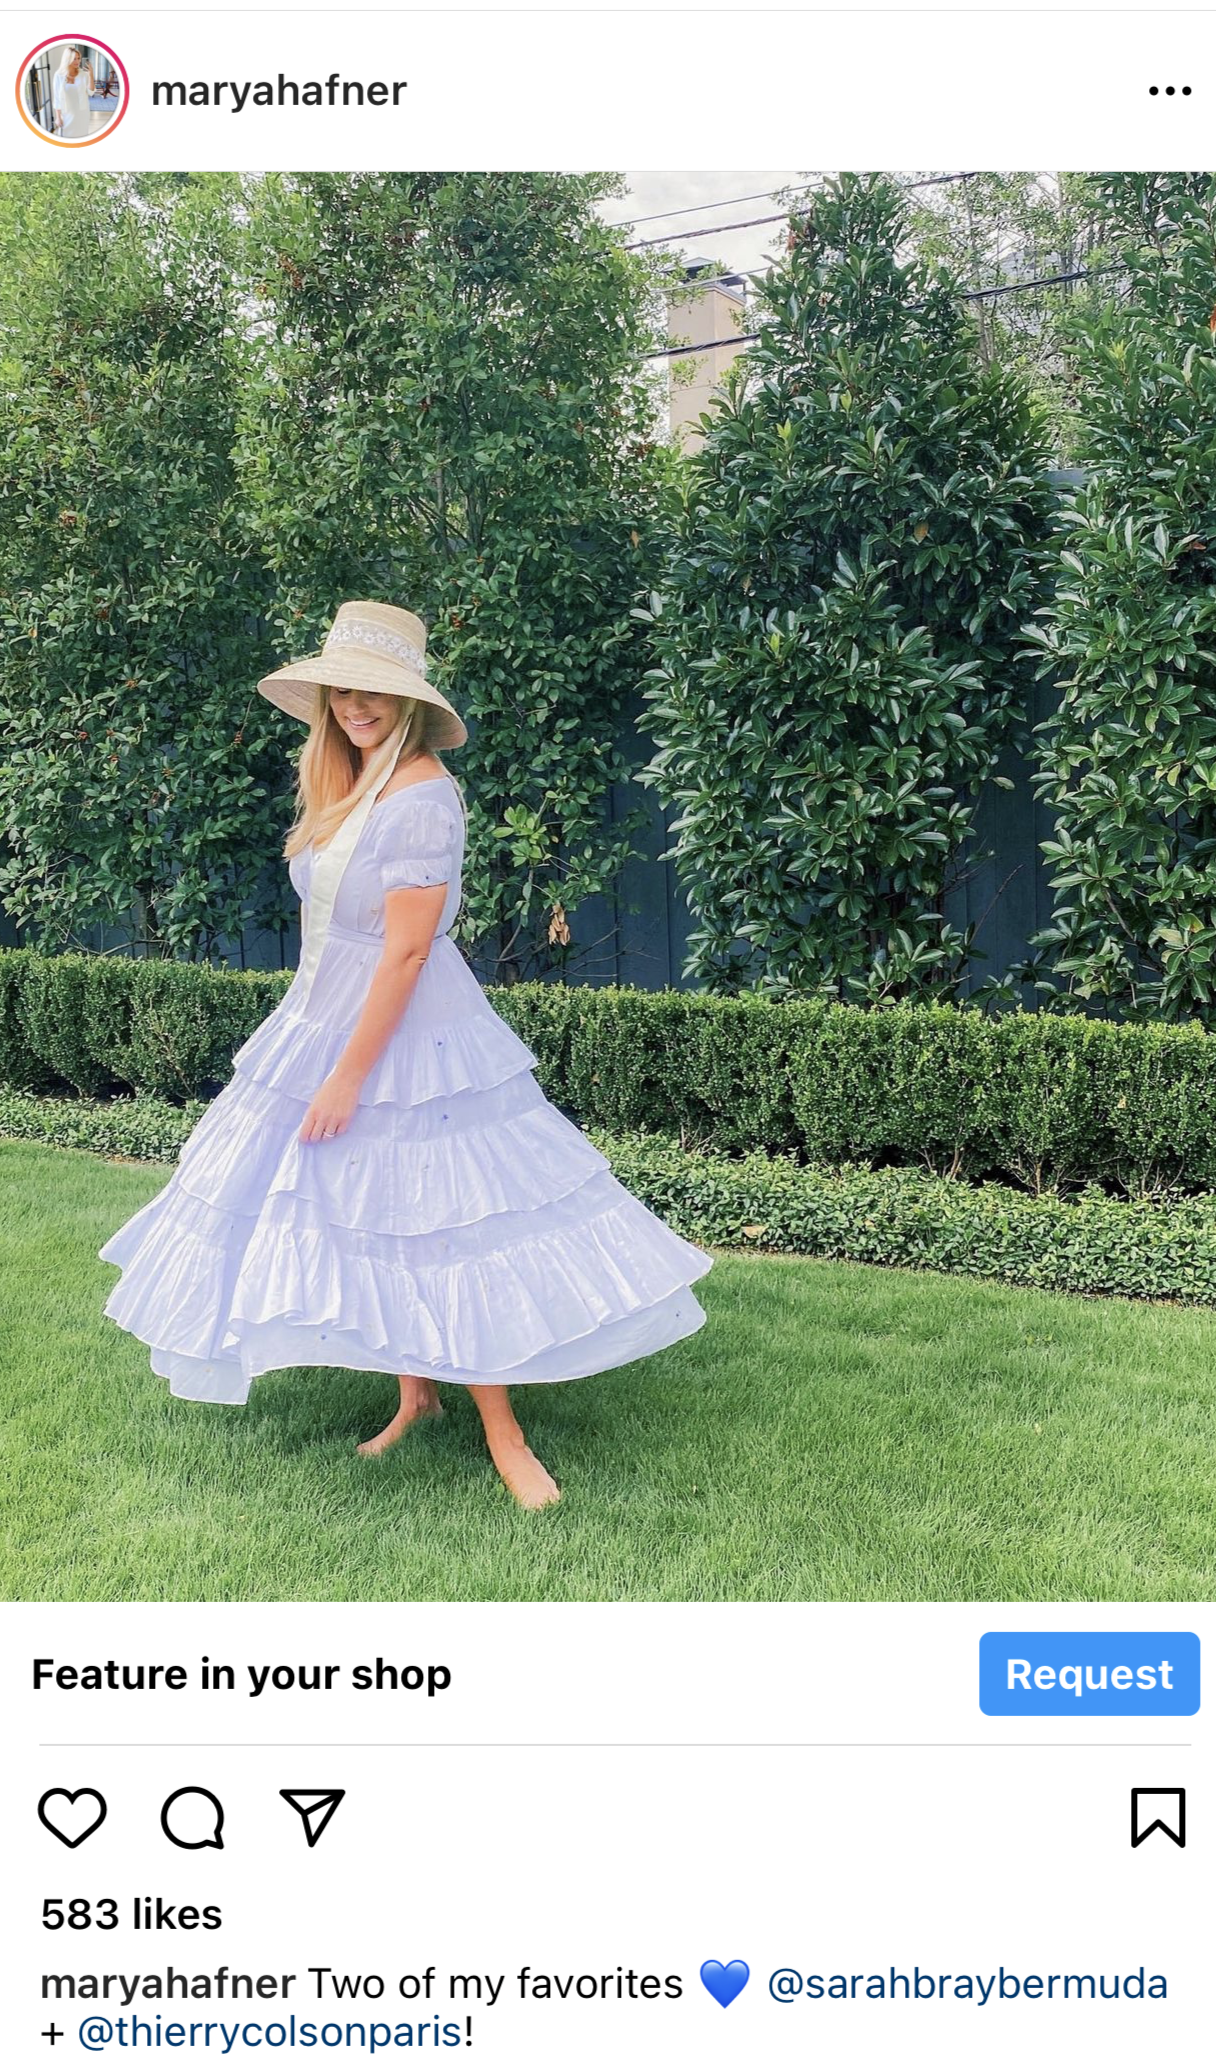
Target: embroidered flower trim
[{"x": 380, "y": 640}]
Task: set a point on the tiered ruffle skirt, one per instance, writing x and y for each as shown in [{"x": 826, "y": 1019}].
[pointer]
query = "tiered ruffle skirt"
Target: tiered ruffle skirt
[{"x": 462, "y": 1228}]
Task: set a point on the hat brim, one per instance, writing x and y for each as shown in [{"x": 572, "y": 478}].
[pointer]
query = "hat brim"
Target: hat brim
[{"x": 293, "y": 688}]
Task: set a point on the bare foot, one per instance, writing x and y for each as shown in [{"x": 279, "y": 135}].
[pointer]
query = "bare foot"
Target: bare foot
[
  {"x": 523, "y": 1474},
  {"x": 419, "y": 1401}
]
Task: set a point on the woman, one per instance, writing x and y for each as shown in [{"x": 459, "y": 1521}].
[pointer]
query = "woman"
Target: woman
[
  {"x": 382, "y": 1184},
  {"x": 70, "y": 89}
]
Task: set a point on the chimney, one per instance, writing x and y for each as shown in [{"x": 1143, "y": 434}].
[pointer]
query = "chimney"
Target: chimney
[{"x": 711, "y": 311}]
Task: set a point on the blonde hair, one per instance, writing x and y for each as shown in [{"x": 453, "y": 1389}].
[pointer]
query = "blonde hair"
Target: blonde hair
[{"x": 332, "y": 776}]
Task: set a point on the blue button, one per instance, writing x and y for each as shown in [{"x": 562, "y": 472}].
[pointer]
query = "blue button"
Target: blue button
[{"x": 1089, "y": 1673}]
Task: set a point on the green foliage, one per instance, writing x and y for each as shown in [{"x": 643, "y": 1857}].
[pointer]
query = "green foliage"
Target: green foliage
[
  {"x": 1042, "y": 1101},
  {"x": 20, "y": 1065},
  {"x": 112, "y": 1023},
  {"x": 1039, "y": 1100},
  {"x": 233, "y": 404},
  {"x": 145, "y": 1129},
  {"x": 1128, "y": 760},
  {"x": 57, "y": 1017},
  {"x": 448, "y": 411},
  {"x": 185, "y": 1024},
  {"x": 704, "y": 1067},
  {"x": 999, "y": 230},
  {"x": 1092, "y": 1244},
  {"x": 836, "y": 627},
  {"x": 128, "y": 603}
]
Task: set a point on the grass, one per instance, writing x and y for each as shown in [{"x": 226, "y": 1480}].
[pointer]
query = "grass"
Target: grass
[{"x": 833, "y": 1432}]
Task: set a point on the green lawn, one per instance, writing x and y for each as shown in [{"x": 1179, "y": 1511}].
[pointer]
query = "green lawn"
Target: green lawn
[{"x": 833, "y": 1432}]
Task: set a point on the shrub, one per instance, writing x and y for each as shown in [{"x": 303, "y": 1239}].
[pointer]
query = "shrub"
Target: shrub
[
  {"x": 711, "y": 1069},
  {"x": 855, "y": 546},
  {"x": 1128, "y": 759},
  {"x": 144, "y": 1128},
  {"x": 1039, "y": 1100},
  {"x": 56, "y": 1010},
  {"x": 1093, "y": 1243},
  {"x": 21, "y": 1064},
  {"x": 109, "y": 1023},
  {"x": 134, "y": 792},
  {"x": 187, "y": 1023},
  {"x": 447, "y": 403}
]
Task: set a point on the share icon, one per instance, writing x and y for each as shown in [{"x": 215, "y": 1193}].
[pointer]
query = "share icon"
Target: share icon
[{"x": 316, "y": 1810}]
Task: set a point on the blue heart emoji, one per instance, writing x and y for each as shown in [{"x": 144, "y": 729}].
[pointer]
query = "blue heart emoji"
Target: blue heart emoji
[{"x": 724, "y": 1981}]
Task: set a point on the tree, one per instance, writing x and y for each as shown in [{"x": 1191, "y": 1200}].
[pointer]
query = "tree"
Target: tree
[
  {"x": 999, "y": 232},
  {"x": 835, "y": 630},
  {"x": 131, "y": 605},
  {"x": 449, "y": 410},
  {"x": 1128, "y": 760}
]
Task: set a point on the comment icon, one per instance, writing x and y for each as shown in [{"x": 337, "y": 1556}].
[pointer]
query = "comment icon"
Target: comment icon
[{"x": 192, "y": 1818}]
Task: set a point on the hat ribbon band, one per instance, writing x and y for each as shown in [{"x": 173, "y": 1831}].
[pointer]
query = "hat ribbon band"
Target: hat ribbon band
[{"x": 377, "y": 642}]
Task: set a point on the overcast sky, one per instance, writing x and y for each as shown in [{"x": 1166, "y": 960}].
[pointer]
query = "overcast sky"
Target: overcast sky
[{"x": 741, "y": 249}]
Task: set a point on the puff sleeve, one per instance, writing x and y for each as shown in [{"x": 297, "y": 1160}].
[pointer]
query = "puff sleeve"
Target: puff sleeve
[{"x": 419, "y": 846}]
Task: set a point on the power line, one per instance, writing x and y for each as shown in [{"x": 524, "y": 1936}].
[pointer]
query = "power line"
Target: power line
[
  {"x": 702, "y": 207},
  {"x": 1028, "y": 285},
  {"x": 702, "y": 285},
  {"x": 694, "y": 349},
  {"x": 725, "y": 228},
  {"x": 690, "y": 235}
]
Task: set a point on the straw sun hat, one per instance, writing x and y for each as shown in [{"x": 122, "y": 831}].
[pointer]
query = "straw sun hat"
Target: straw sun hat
[{"x": 369, "y": 648}]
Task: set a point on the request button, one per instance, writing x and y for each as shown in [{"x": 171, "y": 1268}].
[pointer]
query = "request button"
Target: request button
[{"x": 1089, "y": 1673}]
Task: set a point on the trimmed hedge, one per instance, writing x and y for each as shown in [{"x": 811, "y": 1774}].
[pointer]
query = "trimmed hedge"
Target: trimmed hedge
[
  {"x": 146, "y": 1129},
  {"x": 1093, "y": 1244},
  {"x": 104, "y": 1023},
  {"x": 909, "y": 1219},
  {"x": 1041, "y": 1100}
]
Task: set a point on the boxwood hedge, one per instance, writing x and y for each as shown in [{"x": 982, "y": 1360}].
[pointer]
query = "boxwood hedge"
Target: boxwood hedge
[{"x": 1040, "y": 1101}]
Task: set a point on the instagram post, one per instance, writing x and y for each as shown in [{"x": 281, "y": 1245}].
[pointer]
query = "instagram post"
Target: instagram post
[
  {"x": 607, "y": 967},
  {"x": 781, "y": 1101}
]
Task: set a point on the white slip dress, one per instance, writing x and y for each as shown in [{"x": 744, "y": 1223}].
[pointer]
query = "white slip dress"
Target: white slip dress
[
  {"x": 461, "y": 1228},
  {"x": 71, "y": 98}
]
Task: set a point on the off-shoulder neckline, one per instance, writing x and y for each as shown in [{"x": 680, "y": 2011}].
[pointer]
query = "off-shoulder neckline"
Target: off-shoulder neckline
[{"x": 415, "y": 785}]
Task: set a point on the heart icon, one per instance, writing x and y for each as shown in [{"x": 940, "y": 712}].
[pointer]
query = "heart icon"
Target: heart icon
[
  {"x": 724, "y": 1981},
  {"x": 73, "y": 1816}
]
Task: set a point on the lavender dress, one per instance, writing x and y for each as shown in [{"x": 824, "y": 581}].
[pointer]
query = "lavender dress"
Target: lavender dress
[{"x": 461, "y": 1228}]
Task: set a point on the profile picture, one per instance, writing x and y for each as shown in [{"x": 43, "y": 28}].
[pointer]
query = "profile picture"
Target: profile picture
[{"x": 72, "y": 93}]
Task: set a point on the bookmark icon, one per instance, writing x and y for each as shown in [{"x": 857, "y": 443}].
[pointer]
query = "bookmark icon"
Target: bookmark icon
[
  {"x": 316, "y": 1810},
  {"x": 1158, "y": 1808}
]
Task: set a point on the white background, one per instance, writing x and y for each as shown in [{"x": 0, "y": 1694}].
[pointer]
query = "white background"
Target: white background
[
  {"x": 580, "y": 89},
  {"x": 794, "y": 1785}
]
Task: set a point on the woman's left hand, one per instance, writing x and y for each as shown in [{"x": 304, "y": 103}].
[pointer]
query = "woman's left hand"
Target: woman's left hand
[{"x": 332, "y": 1109}]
